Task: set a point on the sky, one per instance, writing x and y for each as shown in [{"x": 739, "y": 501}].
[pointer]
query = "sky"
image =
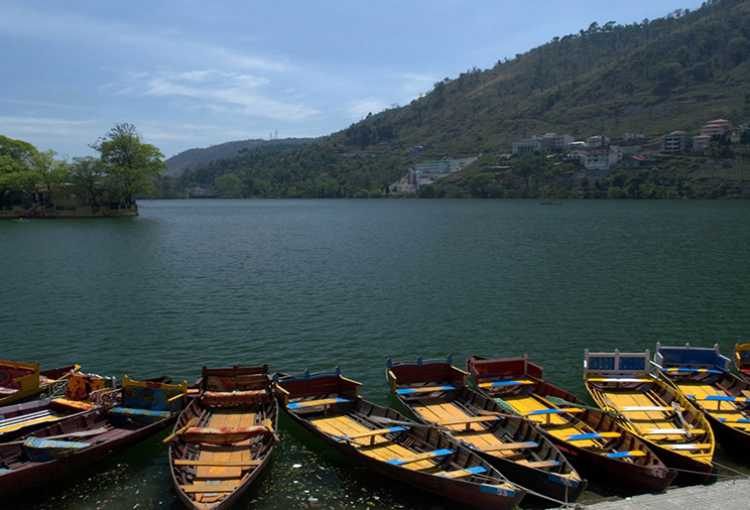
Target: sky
[{"x": 193, "y": 73}]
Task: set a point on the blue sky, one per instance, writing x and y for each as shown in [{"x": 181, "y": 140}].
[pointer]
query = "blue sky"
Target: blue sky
[{"x": 195, "y": 73}]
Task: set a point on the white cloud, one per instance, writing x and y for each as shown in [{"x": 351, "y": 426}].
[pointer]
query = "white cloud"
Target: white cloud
[
  {"x": 361, "y": 107},
  {"x": 20, "y": 126}
]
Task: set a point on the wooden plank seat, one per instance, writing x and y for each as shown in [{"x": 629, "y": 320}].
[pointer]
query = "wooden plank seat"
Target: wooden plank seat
[
  {"x": 504, "y": 383},
  {"x": 215, "y": 463},
  {"x": 209, "y": 488},
  {"x": 224, "y": 435},
  {"x": 24, "y": 417},
  {"x": 619, "y": 380},
  {"x": 592, "y": 435},
  {"x": 674, "y": 432},
  {"x": 133, "y": 411},
  {"x": 317, "y": 403},
  {"x": 539, "y": 464},
  {"x": 688, "y": 370},
  {"x": 626, "y": 455},
  {"x": 721, "y": 398},
  {"x": 740, "y": 420},
  {"x": 463, "y": 473},
  {"x": 522, "y": 445},
  {"x": 424, "y": 389},
  {"x": 468, "y": 421},
  {"x": 642, "y": 409},
  {"x": 371, "y": 434},
  {"x": 401, "y": 461},
  {"x": 7, "y": 391},
  {"x": 552, "y": 411},
  {"x": 689, "y": 447}
]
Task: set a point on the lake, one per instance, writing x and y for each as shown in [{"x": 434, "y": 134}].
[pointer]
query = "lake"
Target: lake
[{"x": 316, "y": 284}]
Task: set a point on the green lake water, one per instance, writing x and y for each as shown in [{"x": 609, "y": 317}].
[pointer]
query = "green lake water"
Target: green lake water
[{"x": 314, "y": 284}]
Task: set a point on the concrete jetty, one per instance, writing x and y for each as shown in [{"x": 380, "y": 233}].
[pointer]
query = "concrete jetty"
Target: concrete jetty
[{"x": 726, "y": 495}]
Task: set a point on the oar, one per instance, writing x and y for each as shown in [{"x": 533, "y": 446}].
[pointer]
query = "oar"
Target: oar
[
  {"x": 389, "y": 421},
  {"x": 192, "y": 422},
  {"x": 82, "y": 433}
]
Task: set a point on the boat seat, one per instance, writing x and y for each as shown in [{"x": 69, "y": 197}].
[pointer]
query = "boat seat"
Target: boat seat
[
  {"x": 551, "y": 411},
  {"x": 468, "y": 421},
  {"x": 424, "y": 389},
  {"x": 626, "y": 455},
  {"x": 692, "y": 446},
  {"x": 688, "y": 370},
  {"x": 7, "y": 391},
  {"x": 40, "y": 442},
  {"x": 524, "y": 445},
  {"x": 540, "y": 464},
  {"x": 69, "y": 404},
  {"x": 721, "y": 398},
  {"x": 504, "y": 384},
  {"x": 213, "y": 463},
  {"x": 674, "y": 432},
  {"x": 316, "y": 403},
  {"x": 641, "y": 409},
  {"x": 133, "y": 411},
  {"x": 443, "y": 452},
  {"x": 463, "y": 473},
  {"x": 371, "y": 434},
  {"x": 593, "y": 435},
  {"x": 619, "y": 379},
  {"x": 209, "y": 488},
  {"x": 741, "y": 420}
]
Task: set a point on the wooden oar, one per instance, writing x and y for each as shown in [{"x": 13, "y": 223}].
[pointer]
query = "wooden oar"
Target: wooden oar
[
  {"x": 192, "y": 422},
  {"x": 82, "y": 433}
]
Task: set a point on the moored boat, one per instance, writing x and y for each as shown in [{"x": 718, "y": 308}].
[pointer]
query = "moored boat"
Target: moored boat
[
  {"x": 68, "y": 446},
  {"x": 594, "y": 441},
  {"x": 742, "y": 359},
  {"x": 435, "y": 392},
  {"x": 80, "y": 396},
  {"x": 224, "y": 438},
  {"x": 20, "y": 381},
  {"x": 701, "y": 374},
  {"x": 673, "y": 427},
  {"x": 385, "y": 442}
]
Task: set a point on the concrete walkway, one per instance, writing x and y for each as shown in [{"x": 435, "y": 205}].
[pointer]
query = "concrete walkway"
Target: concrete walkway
[{"x": 728, "y": 495}]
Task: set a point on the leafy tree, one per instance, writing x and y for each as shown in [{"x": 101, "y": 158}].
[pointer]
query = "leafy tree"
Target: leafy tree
[
  {"x": 50, "y": 172},
  {"x": 132, "y": 166},
  {"x": 228, "y": 186},
  {"x": 87, "y": 176},
  {"x": 739, "y": 48}
]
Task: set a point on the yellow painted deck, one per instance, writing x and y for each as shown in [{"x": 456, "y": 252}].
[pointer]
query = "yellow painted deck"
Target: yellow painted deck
[
  {"x": 378, "y": 447},
  {"x": 726, "y": 410}
]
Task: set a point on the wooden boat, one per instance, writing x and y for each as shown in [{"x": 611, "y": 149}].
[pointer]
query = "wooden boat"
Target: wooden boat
[
  {"x": 702, "y": 376},
  {"x": 742, "y": 359},
  {"x": 595, "y": 442},
  {"x": 435, "y": 392},
  {"x": 69, "y": 446},
  {"x": 224, "y": 438},
  {"x": 80, "y": 396},
  {"x": 673, "y": 427},
  {"x": 20, "y": 381},
  {"x": 384, "y": 441}
]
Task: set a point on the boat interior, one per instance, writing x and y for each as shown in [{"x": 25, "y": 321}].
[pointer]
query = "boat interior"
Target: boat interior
[
  {"x": 225, "y": 434},
  {"x": 623, "y": 383}
]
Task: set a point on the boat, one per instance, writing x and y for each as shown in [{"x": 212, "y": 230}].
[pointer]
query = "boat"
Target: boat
[
  {"x": 70, "y": 446},
  {"x": 595, "y": 442},
  {"x": 328, "y": 406},
  {"x": 80, "y": 396},
  {"x": 20, "y": 381},
  {"x": 701, "y": 374},
  {"x": 224, "y": 438},
  {"x": 435, "y": 392},
  {"x": 742, "y": 359},
  {"x": 677, "y": 431}
]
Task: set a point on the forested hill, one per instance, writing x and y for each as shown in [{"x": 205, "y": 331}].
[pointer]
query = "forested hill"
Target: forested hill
[
  {"x": 651, "y": 77},
  {"x": 195, "y": 158}
]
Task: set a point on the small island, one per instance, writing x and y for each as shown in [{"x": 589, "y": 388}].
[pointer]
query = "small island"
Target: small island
[{"x": 34, "y": 184}]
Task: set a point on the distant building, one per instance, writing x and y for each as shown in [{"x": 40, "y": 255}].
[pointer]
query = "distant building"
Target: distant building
[
  {"x": 615, "y": 154},
  {"x": 528, "y": 146},
  {"x": 718, "y": 127},
  {"x": 426, "y": 173},
  {"x": 595, "y": 158},
  {"x": 554, "y": 142},
  {"x": 676, "y": 142},
  {"x": 597, "y": 141},
  {"x": 701, "y": 143}
]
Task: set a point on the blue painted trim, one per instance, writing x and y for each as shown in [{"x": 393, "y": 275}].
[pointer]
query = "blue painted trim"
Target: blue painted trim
[
  {"x": 498, "y": 491},
  {"x": 140, "y": 412},
  {"x": 539, "y": 412},
  {"x": 503, "y": 384},
  {"x": 298, "y": 405},
  {"x": 476, "y": 470},
  {"x": 435, "y": 453},
  {"x": 411, "y": 391},
  {"x": 619, "y": 455},
  {"x": 720, "y": 398},
  {"x": 687, "y": 370},
  {"x": 399, "y": 428},
  {"x": 563, "y": 480},
  {"x": 587, "y": 435}
]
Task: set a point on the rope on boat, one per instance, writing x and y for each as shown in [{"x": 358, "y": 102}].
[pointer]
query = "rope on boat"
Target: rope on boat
[{"x": 737, "y": 472}]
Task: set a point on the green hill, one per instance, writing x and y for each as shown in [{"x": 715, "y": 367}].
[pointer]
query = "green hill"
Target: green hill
[{"x": 652, "y": 77}]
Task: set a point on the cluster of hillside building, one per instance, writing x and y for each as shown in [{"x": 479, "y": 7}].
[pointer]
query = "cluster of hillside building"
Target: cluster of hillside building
[
  {"x": 682, "y": 141},
  {"x": 424, "y": 174}
]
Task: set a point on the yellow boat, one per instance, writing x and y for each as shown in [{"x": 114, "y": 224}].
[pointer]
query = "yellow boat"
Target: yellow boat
[
  {"x": 20, "y": 381},
  {"x": 678, "y": 432},
  {"x": 701, "y": 374},
  {"x": 742, "y": 359}
]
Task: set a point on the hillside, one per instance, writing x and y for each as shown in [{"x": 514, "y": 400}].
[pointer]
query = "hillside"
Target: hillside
[
  {"x": 195, "y": 158},
  {"x": 651, "y": 77}
]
